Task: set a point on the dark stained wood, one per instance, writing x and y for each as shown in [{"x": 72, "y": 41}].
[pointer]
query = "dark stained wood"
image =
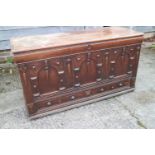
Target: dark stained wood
[{"x": 76, "y": 67}]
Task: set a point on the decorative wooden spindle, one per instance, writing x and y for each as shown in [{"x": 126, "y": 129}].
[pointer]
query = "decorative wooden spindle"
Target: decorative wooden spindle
[{"x": 112, "y": 69}]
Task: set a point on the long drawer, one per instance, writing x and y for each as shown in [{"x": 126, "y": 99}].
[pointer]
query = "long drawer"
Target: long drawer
[{"x": 76, "y": 96}]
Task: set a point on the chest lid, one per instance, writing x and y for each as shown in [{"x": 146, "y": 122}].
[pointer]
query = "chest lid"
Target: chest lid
[{"x": 36, "y": 42}]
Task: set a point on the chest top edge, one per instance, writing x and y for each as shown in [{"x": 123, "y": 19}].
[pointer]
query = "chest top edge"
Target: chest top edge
[{"x": 40, "y": 42}]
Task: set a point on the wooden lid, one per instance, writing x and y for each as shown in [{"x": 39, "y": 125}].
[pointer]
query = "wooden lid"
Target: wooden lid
[{"x": 62, "y": 39}]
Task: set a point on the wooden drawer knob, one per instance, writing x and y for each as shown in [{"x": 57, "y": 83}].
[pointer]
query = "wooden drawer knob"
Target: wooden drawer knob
[
  {"x": 49, "y": 103},
  {"x": 120, "y": 84},
  {"x": 112, "y": 87},
  {"x": 76, "y": 69},
  {"x": 72, "y": 97},
  {"x": 34, "y": 67},
  {"x": 77, "y": 85},
  {"x": 78, "y": 58}
]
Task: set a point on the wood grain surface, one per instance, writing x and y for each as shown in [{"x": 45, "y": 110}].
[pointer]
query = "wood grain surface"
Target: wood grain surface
[{"x": 63, "y": 70}]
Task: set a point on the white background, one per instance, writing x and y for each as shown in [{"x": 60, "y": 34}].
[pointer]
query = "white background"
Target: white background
[
  {"x": 77, "y": 142},
  {"x": 77, "y": 13}
]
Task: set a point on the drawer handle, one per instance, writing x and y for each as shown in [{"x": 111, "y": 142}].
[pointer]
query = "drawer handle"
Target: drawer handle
[
  {"x": 132, "y": 58},
  {"x": 72, "y": 97},
  {"x": 62, "y": 88},
  {"x": 99, "y": 65},
  {"x": 77, "y": 84},
  {"x": 58, "y": 63},
  {"x": 34, "y": 86},
  {"x": 61, "y": 72},
  {"x": 36, "y": 95},
  {"x": 49, "y": 103},
  {"x": 33, "y": 78},
  {"x": 113, "y": 62},
  {"x": 34, "y": 67},
  {"x": 129, "y": 72},
  {"x": 76, "y": 69},
  {"x": 78, "y": 58},
  {"x": 120, "y": 84},
  {"x": 98, "y": 79}
]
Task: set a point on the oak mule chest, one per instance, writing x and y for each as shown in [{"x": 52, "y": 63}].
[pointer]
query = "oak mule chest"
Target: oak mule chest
[{"x": 66, "y": 70}]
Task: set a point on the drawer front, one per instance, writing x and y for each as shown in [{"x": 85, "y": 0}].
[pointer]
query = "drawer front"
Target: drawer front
[{"x": 81, "y": 95}]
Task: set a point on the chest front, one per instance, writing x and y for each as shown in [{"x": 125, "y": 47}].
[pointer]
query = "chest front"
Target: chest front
[{"x": 64, "y": 77}]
